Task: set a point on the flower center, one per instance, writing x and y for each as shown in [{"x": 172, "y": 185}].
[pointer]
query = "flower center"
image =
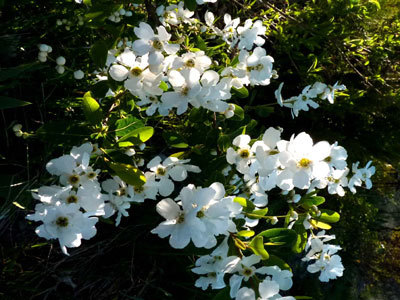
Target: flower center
[
  {"x": 190, "y": 63},
  {"x": 161, "y": 171},
  {"x": 121, "y": 192},
  {"x": 73, "y": 179},
  {"x": 136, "y": 71},
  {"x": 244, "y": 153},
  {"x": 185, "y": 91},
  {"x": 212, "y": 275},
  {"x": 91, "y": 175},
  {"x": 247, "y": 272},
  {"x": 62, "y": 221},
  {"x": 181, "y": 218},
  {"x": 304, "y": 162},
  {"x": 72, "y": 199},
  {"x": 138, "y": 189},
  {"x": 157, "y": 45},
  {"x": 200, "y": 214},
  {"x": 328, "y": 159},
  {"x": 153, "y": 99}
]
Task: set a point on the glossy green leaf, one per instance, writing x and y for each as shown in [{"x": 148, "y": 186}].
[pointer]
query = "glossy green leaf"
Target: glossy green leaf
[
  {"x": 241, "y": 93},
  {"x": 128, "y": 173},
  {"x": 139, "y": 135},
  {"x": 8, "y": 102},
  {"x": 91, "y": 109},
  {"x": 246, "y": 233},
  {"x": 257, "y": 246},
  {"x": 328, "y": 216},
  {"x": 98, "y": 52}
]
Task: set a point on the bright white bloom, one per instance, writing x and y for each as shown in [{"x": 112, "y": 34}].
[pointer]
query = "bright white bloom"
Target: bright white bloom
[
  {"x": 65, "y": 223},
  {"x": 361, "y": 175},
  {"x": 214, "y": 267},
  {"x": 250, "y": 34},
  {"x": 303, "y": 161},
  {"x": 255, "y": 68},
  {"x": 243, "y": 156},
  {"x": 120, "y": 195},
  {"x": 60, "y": 60},
  {"x": 186, "y": 86},
  {"x": 172, "y": 168},
  {"x": 152, "y": 43}
]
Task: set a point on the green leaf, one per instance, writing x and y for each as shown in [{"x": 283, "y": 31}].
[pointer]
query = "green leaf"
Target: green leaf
[
  {"x": 128, "y": 173},
  {"x": 241, "y": 93},
  {"x": 191, "y": 4},
  {"x": 126, "y": 125},
  {"x": 224, "y": 142},
  {"x": 257, "y": 246},
  {"x": 239, "y": 113},
  {"x": 223, "y": 295},
  {"x": 263, "y": 111},
  {"x": 258, "y": 214},
  {"x": 163, "y": 86},
  {"x": 276, "y": 261},
  {"x": 307, "y": 203},
  {"x": 8, "y": 102},
  {"x": 245, "y": 203},
  {"x": 288, "y": 236},
  {"x": 201, "y": 44},
  {"x": 174, "y": 140},
  {"x": 98, "y": 53},
  {"x": 321, "y": 225},
  {"x": 91, "y": 109},
  {"x": 139, "y": 135},
  {"x": 328, "y": 216},
  {"x": 246, "y": 233}
]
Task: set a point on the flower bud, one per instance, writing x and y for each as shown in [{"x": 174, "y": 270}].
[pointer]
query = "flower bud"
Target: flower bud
[
  {"x": 122, "y": 12},
  {"x": 43, "y": 47},
  {"x": 49, "y": 49},
  {"x": 60, "y": 60},
  {"x": 140, "y": 163},
  {"x": 274, "y": 220},
  {"x": 78, "y": 74},
  {"x": 42, "y": 58},
  {"x": 59, "y": 22},
  {"x": 60, "y": 69},
  {"x": 17, "y": 127},
  {"x": 130, "y": 152},
  {"x": 128, "y": 14},
  {"x": 142, "y": 146}
]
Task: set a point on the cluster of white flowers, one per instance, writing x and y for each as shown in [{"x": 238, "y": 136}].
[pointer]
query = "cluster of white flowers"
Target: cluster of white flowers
[
  {"x": 69, "y": 211},
  {"x": 118, "y": 15},
  {"x": 175, "y": 14},
  {"x": 44, "y": 50},
  {"x": 306, "y": 99},
  {"x": 297, "y": 163},
  {"x": 218, "y": 264},
  {"x": 152, "y": 70},
  {"x": 323, "y": 256}
]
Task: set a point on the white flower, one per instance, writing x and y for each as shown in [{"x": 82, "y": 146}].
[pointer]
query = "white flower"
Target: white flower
[
  {"x": 303, "y": 161},
  {"x": 361, "y": 175},
  {"x": 214, "y": 267},
  {"x": 67, "y": 224},
  {"x": 243, "y": 156},
  {"x": 120, "y": 195},
  {"x": 186, "y": 87},
  {"x": 149, "y": 42},
  {"x": 250, "y": 34},
  {"x": 172, "y": 168}
]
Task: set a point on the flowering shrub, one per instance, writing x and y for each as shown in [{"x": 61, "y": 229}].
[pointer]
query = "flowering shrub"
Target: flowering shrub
[{"x": 167, "y": 109}]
